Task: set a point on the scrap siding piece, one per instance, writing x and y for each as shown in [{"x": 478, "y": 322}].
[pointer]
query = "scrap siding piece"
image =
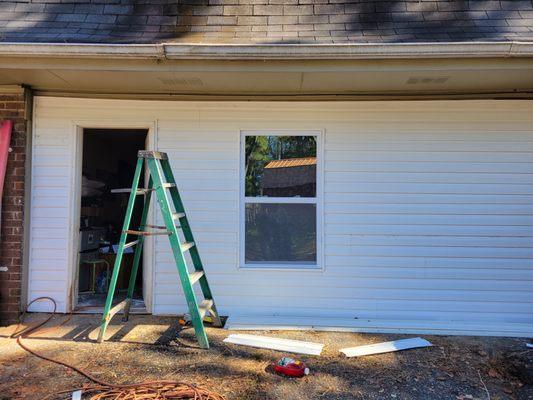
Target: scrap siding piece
[
  {"x": 265, "y": 342},
  {"x": 385, "y": 347}
]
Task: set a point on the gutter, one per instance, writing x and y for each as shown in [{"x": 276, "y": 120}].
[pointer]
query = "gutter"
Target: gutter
[{"x": 185, "y": 51}]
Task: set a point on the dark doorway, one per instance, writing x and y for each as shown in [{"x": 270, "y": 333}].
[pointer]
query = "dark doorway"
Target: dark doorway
[{"x": 109, "y": 160}]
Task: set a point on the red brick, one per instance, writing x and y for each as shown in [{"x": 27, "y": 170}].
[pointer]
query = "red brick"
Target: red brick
[
  {"x": 14, "y": 105},
  {"x": 20, "y": 126},
  {"x": 16, "y": 261},
  {"x": 10, "y": 284},
  {"x": 14, "y": 307}
]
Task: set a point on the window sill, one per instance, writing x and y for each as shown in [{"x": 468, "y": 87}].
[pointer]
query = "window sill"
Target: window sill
[{"x": 282, "y": 267}]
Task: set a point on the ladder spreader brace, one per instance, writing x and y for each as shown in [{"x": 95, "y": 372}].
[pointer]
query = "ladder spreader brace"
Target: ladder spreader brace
[{"x": 161, "y": 182}]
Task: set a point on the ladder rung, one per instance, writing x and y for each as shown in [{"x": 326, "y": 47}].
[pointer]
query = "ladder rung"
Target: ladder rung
[
  {"x": 204, "y": 307},
  {"x": 179, "y": 215},
  {"x": 186, "y": 246},
  {"x": 158, "y": 155},
  {"x": 195, "y": 276},
  {"x": 146, "y": 233},
  {"x": 131, "y": 244},
  {"x": 139, "y": 191},
  {"x": 168, "y": 185},
  {"x": 160, "y": 226}
]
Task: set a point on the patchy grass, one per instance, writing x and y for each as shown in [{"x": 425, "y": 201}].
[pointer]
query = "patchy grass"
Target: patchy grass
[{"x": 150, "y": 347}]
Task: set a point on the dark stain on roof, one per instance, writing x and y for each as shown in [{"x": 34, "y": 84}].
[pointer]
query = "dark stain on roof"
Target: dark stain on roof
[{"x": 264, "y": 21}]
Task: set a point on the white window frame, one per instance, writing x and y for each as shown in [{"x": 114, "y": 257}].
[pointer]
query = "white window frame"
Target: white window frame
[{"x": 317, "y": 200}]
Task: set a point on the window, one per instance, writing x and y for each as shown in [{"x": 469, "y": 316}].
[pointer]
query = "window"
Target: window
[{"x": 279, "y": 207}]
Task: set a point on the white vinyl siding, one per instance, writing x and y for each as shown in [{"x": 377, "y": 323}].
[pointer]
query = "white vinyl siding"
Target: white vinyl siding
[
  {"x": 427, "y": 207},
  {"x": 205, "y": 166},
  {"x": 49, "y": 238}
]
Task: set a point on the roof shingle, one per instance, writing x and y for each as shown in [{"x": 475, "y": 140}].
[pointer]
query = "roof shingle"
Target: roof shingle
[{"x": 265, "y": 21}]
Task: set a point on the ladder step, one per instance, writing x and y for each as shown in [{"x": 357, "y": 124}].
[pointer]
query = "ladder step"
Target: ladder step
[
  {"x": 158, "y": 155},
  {"x": 139, "y": 191},
  {"x": 204, "y": 307},
  {"x": 195, "y": 276},
  {"x": 186, "y": 246},
  {"x": 146, "y": 233},
  {"x": 160, "y": 226},
  {"x": 168, "y": 185},
  {"x": 178, "y": 215},
  {"x": 131, "y": 244},
  {"x": 117, "y": 308}
]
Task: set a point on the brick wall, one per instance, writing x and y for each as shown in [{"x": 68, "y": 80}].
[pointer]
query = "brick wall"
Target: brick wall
[{"x": 13, "y": 106}]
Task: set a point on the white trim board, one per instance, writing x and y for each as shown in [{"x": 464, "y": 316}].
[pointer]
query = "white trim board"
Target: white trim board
[
  {"x": 265, "y": 342},
  {"x": 288, "y": 323},
  {"x": 385, "y": 347}
]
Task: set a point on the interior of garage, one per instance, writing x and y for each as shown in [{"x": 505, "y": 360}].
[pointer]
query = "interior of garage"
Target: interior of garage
[{"x": 109, "y": 159}]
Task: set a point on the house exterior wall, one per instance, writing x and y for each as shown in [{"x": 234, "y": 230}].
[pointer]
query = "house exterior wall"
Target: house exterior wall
[
  {"x": 427, "y": 209},
  {"x": 13, "y": 106}
]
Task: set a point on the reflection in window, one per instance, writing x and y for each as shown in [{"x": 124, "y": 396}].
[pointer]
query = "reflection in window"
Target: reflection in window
[
  {"x": 280, "y": 166},
  {"x": 280, "y": 233}
]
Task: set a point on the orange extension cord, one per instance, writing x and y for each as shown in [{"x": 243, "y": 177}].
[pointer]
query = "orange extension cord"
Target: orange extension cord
[{"x": 101, "y": 390}]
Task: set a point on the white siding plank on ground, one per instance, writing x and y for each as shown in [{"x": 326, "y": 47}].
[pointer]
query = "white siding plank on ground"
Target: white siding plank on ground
[{"x": 428, "y": 209}]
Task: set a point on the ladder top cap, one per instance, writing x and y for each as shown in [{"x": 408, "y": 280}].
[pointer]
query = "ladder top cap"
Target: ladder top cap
[{"x": 153, "y": 154}]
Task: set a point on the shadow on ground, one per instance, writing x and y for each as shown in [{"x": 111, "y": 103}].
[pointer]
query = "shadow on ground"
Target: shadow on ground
[{"x": 147, "y": 347}]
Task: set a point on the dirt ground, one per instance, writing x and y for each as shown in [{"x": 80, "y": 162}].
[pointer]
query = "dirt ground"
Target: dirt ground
[{"x": 147, "y": 348}]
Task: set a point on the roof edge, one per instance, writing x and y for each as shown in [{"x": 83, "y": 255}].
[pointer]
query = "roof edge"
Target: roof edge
[{"x": 187, "y": 51}]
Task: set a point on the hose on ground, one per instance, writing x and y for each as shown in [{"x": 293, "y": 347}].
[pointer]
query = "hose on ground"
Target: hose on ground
[{"x": 102, "y": 390}]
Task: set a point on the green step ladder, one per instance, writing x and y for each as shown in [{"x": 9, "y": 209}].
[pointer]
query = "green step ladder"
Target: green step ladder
[{"x": 163, "y": 183}]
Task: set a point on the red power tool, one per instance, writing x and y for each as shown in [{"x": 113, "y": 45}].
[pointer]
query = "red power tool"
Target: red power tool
[{"x": 291, "y": 367}]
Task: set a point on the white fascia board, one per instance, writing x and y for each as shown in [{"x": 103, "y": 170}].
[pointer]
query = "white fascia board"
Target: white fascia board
[{"x": 185, "y": 51}]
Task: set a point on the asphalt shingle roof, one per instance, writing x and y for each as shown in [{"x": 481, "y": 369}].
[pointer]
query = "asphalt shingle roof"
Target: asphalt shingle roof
[{"x": 264, "y": 21}]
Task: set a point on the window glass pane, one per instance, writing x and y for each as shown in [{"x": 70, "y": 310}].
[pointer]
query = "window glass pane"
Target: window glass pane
[
  {"x": 280, "y": 166},
  {"x": 280, "y": 233}
]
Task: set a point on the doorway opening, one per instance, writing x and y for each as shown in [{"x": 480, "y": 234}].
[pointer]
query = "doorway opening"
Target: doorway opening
[{"x": 108, "y": 163}]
